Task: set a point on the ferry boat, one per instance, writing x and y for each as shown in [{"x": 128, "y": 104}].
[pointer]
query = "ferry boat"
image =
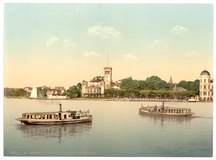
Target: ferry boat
[
  {"x": 165, "y": 111},
  {"x": 60, "y": 117}
]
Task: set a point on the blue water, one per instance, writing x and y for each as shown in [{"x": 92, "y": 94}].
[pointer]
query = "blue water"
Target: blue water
[{"x": 117, "y": 130}]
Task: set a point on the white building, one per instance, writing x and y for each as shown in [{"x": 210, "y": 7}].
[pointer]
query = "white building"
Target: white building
[
  {"x": 93, "y": 88},
  {"x": 56, "y": 93},
  {"x": 206, "y": 86},
  {"x": 96, "y": 86}
]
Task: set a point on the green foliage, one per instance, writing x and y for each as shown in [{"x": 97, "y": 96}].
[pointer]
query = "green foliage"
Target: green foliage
[
  {"x": 41, "y": 92},
  {"x": 189, "y": 85},
  {"x": 151, "y": 83},
  {"x": 166, "y": 94},
  {"x": 154, "y": 87},
  {"x": 11, "y": 92},
  {"x": 155, "y": 83},
  {"x": 112, "y": 92},
  {"x": 74, "y": 91}
]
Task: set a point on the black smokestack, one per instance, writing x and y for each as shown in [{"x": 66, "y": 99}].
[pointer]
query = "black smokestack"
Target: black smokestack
[{"x": 60, "y": 107}]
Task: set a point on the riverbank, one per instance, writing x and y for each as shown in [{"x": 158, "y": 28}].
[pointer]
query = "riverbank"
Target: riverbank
[{"x": 119, "y": 99}]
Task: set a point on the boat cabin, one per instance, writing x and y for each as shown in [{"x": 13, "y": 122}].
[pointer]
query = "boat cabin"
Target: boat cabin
[{"x": 56, "y": 115}]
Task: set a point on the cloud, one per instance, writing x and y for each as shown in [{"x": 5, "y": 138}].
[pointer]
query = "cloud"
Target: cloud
[
  {"x": 179, "y": 30},
  {"x": 130, "y": 57},
  {"x": 91, "y": 54},
  {"x": 104, "y": 32},
  {"x": 192, "y": 54},
  {"x": 51, "y": 41},
  {"x": 158, "y": 45},
  {"x": 60, "y": 43}
]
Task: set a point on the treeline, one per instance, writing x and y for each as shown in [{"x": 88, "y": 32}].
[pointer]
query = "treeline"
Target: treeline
[
  {"x": 21, "y": 93},
  {"x": 116, "y": 93},
  {"x": 154, "y": 87},
  {"x": 13, "y": 92}
]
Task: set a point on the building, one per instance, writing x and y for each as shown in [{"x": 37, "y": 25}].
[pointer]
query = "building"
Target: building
[
  {"x": 56, "y": 93},
  {"x": 93, "y": 88},
  {"x": 96, "y": 86},
  {"x": 206, "y": 86},
  {"x": 28, "y": 89}
]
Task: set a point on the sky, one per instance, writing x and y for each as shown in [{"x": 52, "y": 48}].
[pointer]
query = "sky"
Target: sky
[{"x": 63, "y": 44}]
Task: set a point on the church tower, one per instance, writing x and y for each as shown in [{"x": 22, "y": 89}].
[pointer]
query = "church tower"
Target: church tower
[
  {"x": 170, "y": 80},
  {"x": 108, "y": 77}
]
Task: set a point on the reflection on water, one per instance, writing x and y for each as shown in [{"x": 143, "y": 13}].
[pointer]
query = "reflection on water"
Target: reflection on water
[
  {"x": 54, "y": 131},
  {"x": 158, "y": 119}
]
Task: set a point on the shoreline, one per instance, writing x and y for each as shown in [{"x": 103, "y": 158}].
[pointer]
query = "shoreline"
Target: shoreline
[{"x": 117, "y": 99}]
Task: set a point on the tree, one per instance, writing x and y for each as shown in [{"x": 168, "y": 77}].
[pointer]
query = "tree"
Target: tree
[
  {"x": 42, "y": 92},
  {"x": 155, "y": 83},
  {"x": 74, "y": 91},
  {"x": 190, "y": 85},
  {"x": 11, "y": 92}
]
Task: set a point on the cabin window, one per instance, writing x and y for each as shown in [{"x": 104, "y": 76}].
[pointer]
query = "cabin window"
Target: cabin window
[
  {"x": 204, "y": 86},
  {"x": 65, "y": 116},
  {"x": 50, "y": 116},
  {"x": 27, "y": 116}
]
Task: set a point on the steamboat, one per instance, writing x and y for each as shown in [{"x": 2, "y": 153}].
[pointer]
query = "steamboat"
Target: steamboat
[
  {"x": 59, "y": 117},
  {"x": 165, "y": 111}
]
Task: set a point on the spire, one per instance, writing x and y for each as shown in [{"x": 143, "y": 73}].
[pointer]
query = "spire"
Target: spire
[{"x": 170, "y": 80}]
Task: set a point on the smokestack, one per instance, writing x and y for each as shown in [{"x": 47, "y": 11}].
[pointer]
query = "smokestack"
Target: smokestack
[{"x": 60, "y": 107}]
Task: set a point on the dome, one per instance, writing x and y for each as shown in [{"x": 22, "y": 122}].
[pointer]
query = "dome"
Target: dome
[{"x": 205, "y": 72}]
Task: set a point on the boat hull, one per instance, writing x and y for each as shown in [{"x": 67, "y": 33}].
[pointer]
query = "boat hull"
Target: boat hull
[
  {"x": 53, "y": 122},
  {"x": 145, "y": 112}
]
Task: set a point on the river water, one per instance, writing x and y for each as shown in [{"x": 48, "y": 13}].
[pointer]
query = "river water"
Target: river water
[{"x": 117, "y": 130}]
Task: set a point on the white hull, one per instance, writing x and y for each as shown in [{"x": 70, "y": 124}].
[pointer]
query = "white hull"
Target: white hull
[
  {"x": 142, "y": 111},
  {"x": 65, "y": 121}
]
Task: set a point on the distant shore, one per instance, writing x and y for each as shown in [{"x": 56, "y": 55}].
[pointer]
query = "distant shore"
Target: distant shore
[{"x": 119, "y": 99}]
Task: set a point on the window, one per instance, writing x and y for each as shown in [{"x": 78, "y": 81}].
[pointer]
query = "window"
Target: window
[
  {"x": 65, "y": 116},
  {"x": 204, "y": 80},
  {"x": 204, "y": 93},
  {"x": 204, "y": 86}
]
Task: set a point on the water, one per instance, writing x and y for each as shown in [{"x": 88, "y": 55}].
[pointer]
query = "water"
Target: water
[{"x": 117, "y": 130}]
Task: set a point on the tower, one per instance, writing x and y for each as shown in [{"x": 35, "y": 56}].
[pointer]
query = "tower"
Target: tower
[
  {"x": 206, "y": 86},
  {"x": 170, "y": 80},
  {"x": 84, "y": 88},
  {"x": 108, "y": 77}
]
